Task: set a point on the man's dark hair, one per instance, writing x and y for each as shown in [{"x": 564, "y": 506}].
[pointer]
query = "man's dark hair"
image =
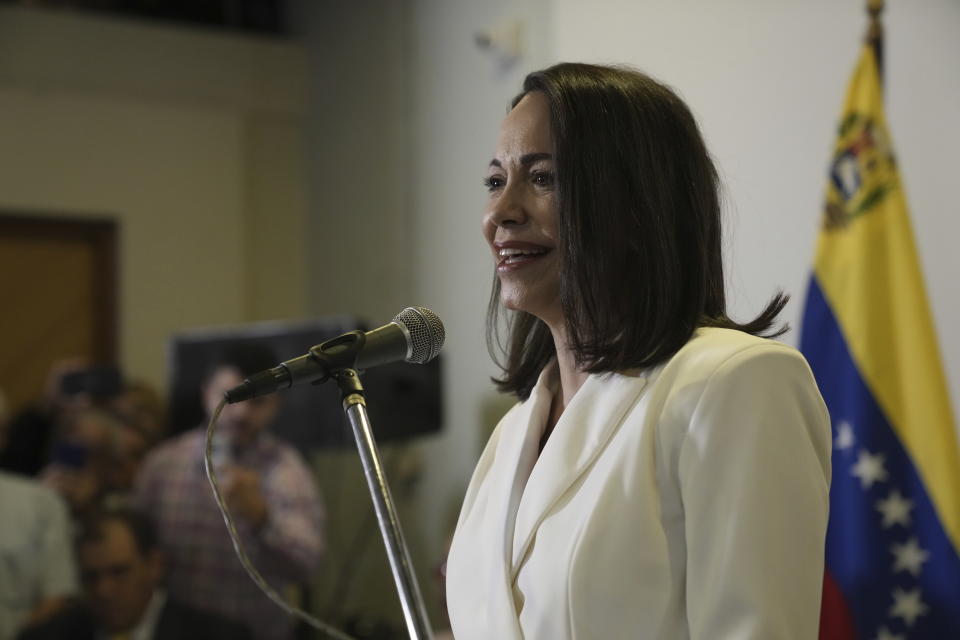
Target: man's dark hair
[
  {"x": 247, "y": 357},
  {"x": 93, "y": 528},
  {"x": 638, "y": 224}
]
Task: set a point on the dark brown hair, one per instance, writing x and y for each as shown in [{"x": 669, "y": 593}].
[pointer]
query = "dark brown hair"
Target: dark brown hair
[
  {"x": 639, "y": 229},
  {"x": 93, "y": 528}
]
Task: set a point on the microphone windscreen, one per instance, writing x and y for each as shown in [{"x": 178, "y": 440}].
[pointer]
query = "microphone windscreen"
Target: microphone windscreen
[{"x": 426, "y": 333}]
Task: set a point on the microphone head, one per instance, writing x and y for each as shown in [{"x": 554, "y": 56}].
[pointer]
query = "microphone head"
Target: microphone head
[{"x": 426, "y": 333}]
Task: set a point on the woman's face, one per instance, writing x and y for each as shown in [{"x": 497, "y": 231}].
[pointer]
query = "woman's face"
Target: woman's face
[{"x": 521, "y": 220}]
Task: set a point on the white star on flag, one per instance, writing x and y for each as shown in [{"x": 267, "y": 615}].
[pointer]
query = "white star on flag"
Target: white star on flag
[
  {"x": 895, "y": 509},
  {"x": 883, "y": 634},
  {"x": 908, "y": 605},
  {"x": 909, "y": 557},
  {"x": 869, "y": 469},
  {"x": 845, "y": 438}
]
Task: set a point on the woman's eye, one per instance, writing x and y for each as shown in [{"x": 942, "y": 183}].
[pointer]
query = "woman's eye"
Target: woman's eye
[
  {"x": 492, "y": 183},
  {"x": 542, "y": 178}
]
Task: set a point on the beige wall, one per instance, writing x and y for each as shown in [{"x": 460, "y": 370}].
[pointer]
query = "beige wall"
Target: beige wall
[{"x": 190, "y": 140}]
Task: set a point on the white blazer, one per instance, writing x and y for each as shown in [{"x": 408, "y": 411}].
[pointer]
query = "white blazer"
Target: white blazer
[{"x": 684, "y": 501}]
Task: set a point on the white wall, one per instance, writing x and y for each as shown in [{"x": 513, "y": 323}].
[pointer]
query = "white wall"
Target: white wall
[
  {"x": 189, "y": 139},
  {"x": 461, "y": 95},
  {"x": 767, "y": 81}
]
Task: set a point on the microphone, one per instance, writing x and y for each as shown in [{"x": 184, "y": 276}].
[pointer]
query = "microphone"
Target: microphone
[{"x": 414, "y": 335}]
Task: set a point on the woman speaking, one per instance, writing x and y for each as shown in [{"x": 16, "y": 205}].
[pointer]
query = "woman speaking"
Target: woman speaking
[{"x": 666, "y": 471}]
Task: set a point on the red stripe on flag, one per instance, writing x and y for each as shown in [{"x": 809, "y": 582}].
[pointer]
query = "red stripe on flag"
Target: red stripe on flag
[{"x": 836, "y": 623}]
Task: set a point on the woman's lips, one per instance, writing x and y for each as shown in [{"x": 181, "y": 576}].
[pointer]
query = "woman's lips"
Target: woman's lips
[{"x": 515, "y": 255}]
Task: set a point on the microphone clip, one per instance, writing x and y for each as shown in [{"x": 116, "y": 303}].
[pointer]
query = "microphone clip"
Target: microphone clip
[{"x": 338, "y": 353}]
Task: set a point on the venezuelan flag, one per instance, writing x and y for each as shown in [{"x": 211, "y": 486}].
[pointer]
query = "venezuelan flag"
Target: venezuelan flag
[{"x": 893, "y": 541}]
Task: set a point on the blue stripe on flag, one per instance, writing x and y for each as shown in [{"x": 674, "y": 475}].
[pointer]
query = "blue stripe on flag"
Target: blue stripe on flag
[{"x": 860, "y": 545}]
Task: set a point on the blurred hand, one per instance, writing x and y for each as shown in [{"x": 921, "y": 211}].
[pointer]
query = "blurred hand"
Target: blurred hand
[{"x": 244, "y": 495}]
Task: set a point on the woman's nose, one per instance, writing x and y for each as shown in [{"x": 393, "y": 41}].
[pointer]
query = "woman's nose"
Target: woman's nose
[{"x": 507, "y": 208}]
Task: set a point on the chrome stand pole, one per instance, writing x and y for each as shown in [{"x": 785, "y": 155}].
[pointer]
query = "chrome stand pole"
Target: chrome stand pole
[{"x": 355, "y": 407}]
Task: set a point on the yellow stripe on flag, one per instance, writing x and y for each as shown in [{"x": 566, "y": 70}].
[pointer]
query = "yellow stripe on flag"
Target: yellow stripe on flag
[{"x": 868, "y": 270}]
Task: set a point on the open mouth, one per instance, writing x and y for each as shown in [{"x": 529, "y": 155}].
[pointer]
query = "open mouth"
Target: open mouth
[{"x": 515, "y": 257}]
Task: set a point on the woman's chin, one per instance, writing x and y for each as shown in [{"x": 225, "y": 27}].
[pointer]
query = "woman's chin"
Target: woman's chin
[
  {"x": 516, "y": 303},
  {"x": 537, "y": 306}
]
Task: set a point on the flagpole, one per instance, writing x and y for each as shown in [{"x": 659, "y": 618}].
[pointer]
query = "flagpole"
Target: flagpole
[{"x": 875, "y": 33}]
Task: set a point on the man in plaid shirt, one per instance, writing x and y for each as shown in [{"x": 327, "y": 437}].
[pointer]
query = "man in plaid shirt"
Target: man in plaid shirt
[{"x": 268, "y": 489}]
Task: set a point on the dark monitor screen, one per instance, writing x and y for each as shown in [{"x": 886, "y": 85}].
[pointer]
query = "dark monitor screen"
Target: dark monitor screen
[{"x": 403, "y": 400}]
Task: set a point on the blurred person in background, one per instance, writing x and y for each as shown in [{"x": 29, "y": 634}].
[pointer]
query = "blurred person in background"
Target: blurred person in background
[
  {"x": 121, "y": 569},
  {"x": 37, "y": 573},
  {"x": 128, "y": 449},
  {"x": 94, "y": 461},
  {"x": 140, "y": 405},
  {"x": 79, "y": 460},
  {"x": 267, "y": 487},
  {"x": 72, "y": 386}
]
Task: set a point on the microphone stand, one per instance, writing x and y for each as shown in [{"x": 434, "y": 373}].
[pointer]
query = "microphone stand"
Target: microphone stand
[{"x": 355, "y": 407}]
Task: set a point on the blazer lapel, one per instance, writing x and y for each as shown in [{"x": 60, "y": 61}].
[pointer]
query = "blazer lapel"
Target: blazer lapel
[
  {"x": 580, "y": 434},
  {"x": 516, "y": 455}
]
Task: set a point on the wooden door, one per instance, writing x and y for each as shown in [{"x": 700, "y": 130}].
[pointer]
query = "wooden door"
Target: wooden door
[{"x": 57, "y": 298}]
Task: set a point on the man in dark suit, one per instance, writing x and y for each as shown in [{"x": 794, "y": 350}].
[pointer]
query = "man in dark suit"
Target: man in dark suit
[{"x": 121, "y": 569}]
